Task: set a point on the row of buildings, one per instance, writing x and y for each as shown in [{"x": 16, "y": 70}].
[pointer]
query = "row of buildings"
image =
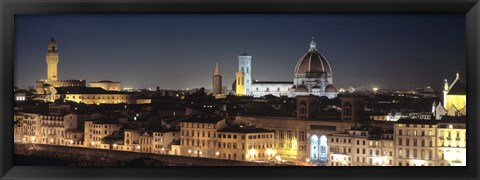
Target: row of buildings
[{"x": 338, "y": 139}]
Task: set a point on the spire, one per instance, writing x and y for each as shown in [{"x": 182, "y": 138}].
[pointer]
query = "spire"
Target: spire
[
  {"x": 217, "y": 70},
  {"x": 458, "y": 76},
  {"x": 244, "y": 51},
  {"x": 446, "y": 85},
  {"x": 313, "y": 45}
]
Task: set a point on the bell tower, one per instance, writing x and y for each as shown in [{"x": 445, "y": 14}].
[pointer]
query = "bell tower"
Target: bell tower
[
  {"x": 240, "y": 86},
  {"x": 52, "y": 60},
  {"x": 244, "y": 65}
]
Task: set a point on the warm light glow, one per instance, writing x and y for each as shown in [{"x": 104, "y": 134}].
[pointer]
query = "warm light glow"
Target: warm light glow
[
  {"x": 218, "y": 153},
  {"x": 51, "y": 140},
  {"x": 278, "y": 158},
  {"x": 252, "y": 152},
  {"x": 189, "y": 151},
  {"x": 418, "y": 162},
  {"x": 114, "y": 145},
  {"x": 163, "y": 149},
  {"x": 138, "y": 147},
  {"x": 307, "y": 160},
  {"x": 71, "y": 141}
]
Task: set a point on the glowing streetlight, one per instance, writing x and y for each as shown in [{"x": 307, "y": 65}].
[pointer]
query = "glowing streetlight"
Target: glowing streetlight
[
  {"x": 307, "y": 160},
  {"x": 115, "y": 145},
  {"x": 51, "y": 140},
  {"x": 217, "y": 153}
]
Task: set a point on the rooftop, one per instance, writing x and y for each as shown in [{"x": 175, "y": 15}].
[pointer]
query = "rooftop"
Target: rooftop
[
  {"x": 244, "y": 129},
  {"x": 86, "y": 90},
  {"x": 203, "y": 119},
  {"x": 272, "y": 82}
]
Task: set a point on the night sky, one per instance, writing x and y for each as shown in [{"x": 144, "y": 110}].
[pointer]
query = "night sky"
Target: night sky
[{"x": 180, "y": 51}]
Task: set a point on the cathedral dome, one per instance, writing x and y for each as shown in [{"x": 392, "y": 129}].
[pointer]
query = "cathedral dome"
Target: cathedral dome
[
  {"x": 330, "y": 89},
  {"x": 313, "y": 64},
  {"x": 301, "y": 88}
]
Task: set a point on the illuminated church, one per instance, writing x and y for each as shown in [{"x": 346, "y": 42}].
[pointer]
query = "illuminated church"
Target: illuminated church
[
  {"x": 454, "y": 100},
  {"x": 313, "y": 75}
]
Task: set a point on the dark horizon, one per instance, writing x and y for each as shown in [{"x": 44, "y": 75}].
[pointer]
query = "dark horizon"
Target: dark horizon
[{"x": 180, "y": 51}]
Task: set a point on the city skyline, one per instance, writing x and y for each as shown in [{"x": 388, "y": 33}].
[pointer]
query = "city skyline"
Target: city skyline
[{"x": 95, "y": 47}]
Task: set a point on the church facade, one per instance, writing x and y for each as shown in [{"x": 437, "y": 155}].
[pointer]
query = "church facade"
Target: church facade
[
  {"x": 454, "y": 100},
  {"x": 312, "y": 76}
]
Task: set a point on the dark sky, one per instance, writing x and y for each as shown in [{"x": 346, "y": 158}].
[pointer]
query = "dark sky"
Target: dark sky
[{"x": 180, "y": 51}]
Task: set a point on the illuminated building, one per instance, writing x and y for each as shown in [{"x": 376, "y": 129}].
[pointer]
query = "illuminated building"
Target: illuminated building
[
  {"x": 102, "y": 92},
  {"x": 240, "y": 86},
  {"x": 52, "y": 59},
  {"x": 157, "y": 141},
  {"x": 451, "y": 138},
  {"x": 211, "y": 137},
  {"x": 454, "y": 99},
  {"x": 163, "y": 139},
  {"x": 306, "y": 136},
  {"x": 107, "y": 85},
  {"x": 245, "y": 143},
  {"x": 360, "y": 147},
  {"x": 92, "y": 95},
  {"x": 312, "y": 76},
  {"x": 198, "y": 135},
  {"x": 244, "y": 65},
  {"x": 217, "y": 81},
  {"x": 415, "y": 142},
  {"x": 100, "y": 133}
]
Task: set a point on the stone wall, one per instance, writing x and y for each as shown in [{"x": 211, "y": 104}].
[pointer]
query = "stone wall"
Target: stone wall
[{"x": 99, "y": 157}]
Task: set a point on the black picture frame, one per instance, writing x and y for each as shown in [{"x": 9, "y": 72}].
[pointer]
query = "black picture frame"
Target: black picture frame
[{"x": 9, "y": 8}]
